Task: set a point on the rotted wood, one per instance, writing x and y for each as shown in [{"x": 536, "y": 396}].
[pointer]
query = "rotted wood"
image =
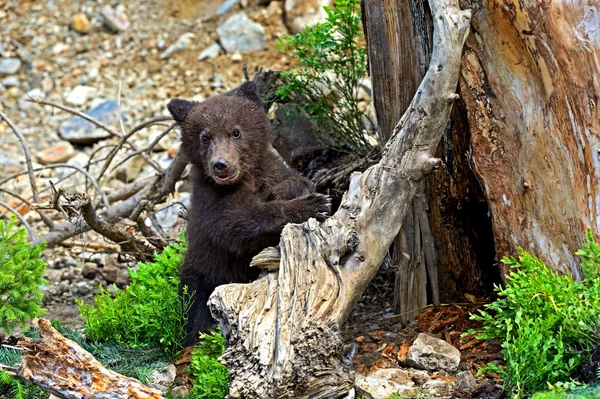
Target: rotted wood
[
  {"x": 283, "y": 328},
  {"x": 530, "y": 81},
  {"x": 63, "y": 368}
]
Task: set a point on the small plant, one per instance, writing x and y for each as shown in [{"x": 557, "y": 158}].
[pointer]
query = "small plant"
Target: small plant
[
  {"x": 211, "y": 378},
  {"x": 548, "y": 323},
  {"x": 11, "y": 386},
  {"x": 148, "y": 312},
  {"x": 325, "y": 84},
  {"x": 21, "y": 272}
]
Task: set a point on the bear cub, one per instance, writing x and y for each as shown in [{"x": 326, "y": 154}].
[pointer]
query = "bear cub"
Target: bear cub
[{"x": 243, "y": 194}]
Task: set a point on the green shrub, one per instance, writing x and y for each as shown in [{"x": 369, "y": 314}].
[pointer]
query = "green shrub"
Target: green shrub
[
  {"x": 211, "y": 378},
  {"x": 548, "y": 323},
  {"x": 332, "y": 64},
  {"x": 21, "y": 272},
  {"x": 149, "y": 312},
  {"x": 11, "y": 386}
]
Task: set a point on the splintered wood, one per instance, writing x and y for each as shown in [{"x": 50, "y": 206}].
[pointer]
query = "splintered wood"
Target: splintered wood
[{"x": 62, "y": 367}]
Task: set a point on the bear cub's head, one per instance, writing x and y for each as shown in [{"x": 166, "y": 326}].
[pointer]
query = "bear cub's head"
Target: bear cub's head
[{"x": 226, "y": 136}]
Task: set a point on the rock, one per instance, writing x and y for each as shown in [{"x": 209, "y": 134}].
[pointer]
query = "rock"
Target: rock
[
  {"x": 24, "y": 103},
  {"x": 437, "y": 387},
  {"x": 53, "y": 275},
  {"x": 110, "y": 271},
  {"x": 211, "y": 51},
  {"x": 9, "y": 66},
  {"x": 10, "y": 81},
  {"x": 489, "y": 391},
  {"x": 115, "y": 19},
  {"x": 465, "y": 380},
  {"x": 80, "y": 23},
  {"x": 431, "y": 353},
  {"x": 90, "y": 269},
  {"x": 302, "y": 13},
  {"x": 82, "y": 288},
  {"x": 164, "y": 376},
  {"x": 181, "y": 44},
  {"x": 382, "y": 383},
  {"x": 1, "y": 48},
  {"x": 420, "y": 377},
  {"x": 238, "y": 33},
  {"x": 168, "y": 215},
  {"x": 80, "y": 95},
  {"x": 236, "y": 57},
  {"x": 77, "y": 130},
  {"x": 226, "y": 6},
  {"x": 57, "y": 153},
  {"x": 180, "y": 392}
]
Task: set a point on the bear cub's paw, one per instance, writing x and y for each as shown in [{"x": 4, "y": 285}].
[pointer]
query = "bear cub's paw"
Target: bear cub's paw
[{"x": 312, "y": 205}]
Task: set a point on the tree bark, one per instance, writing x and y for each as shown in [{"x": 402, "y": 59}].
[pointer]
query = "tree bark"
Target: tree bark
[
  {"x": 530, "y": 81},
  {"x": 283, "y": 328}
]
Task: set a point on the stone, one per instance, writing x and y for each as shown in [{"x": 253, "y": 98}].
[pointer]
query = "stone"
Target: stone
[
  {"x": 57, "y": 153},
  {"x": 420, "y": 377},
  {"x": 11, "y": 81},
  {"x": 24, "y": 103},
  {"x": 164, "y": 376},
  {"x": 238, "y": 33},
  {"x": 180, "y": 392},
  {"x": 167, "y": 216},
  {"x": 80, "y": 23},
  {"x": 115, "y": 19},
  {"x": 110, "y": 271},
  {"x": 9, "y": 66},
  {"x": 82, "y": 288},
  {"x": 181, "y": 44},
  {"x": 384, "y": 382},
  {"x": 437, "y": 387},
  {"x": 465, "y": 380},
  {"x": 302, "y": 13},
  {"x": 77, "y": 130},
  {"x": 431, "y": 353},
  {"x": 211, "y": 51},
  {"x": 90, "y": 269},
  {"x": 79, "y": 95},
  {"x": 53, "y": 275}
]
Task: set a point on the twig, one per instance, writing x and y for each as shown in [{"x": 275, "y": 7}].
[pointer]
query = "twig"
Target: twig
[
  {"x": 146, "y": 149},
  {"x": 21, "y": 218},
  {"x": 22, "y": 199},
  {"x": 124, "y": 139},
  {"x": 28, "y": 162}
]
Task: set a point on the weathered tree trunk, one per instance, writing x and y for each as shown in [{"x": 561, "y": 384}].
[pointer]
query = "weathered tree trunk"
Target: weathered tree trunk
[
  {"x": 282, "y": 329},
  {"x": 62, "y": 367},
  {"x": 530, "y": 79}
]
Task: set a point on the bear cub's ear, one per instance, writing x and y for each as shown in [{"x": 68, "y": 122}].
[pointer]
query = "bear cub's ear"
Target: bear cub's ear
[
  {"x": 180, "y": 108},
  {"x": 248, "y": 90}
]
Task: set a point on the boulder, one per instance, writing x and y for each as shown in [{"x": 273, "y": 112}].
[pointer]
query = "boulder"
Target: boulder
[
  {"x": 77, "y": 130},
  {"x": 431, "y": 353},
  {"x": 238, "y": 33}
]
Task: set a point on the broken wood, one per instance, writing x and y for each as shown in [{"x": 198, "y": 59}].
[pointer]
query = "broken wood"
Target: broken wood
[
  {"x": 63, "y": 368},
  {"x": 283, "y": 328}
]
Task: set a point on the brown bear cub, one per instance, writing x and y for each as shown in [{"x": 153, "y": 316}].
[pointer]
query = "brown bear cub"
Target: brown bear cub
[{"x": 243, "y": 194}]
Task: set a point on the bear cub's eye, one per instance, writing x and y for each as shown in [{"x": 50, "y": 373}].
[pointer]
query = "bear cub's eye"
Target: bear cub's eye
[
  {"x": 235, "y": 133},
  {"x": 204, "y": 137}
]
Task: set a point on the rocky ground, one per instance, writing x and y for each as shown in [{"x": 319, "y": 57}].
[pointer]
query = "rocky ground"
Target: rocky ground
[{"x": 129, "y": 59}]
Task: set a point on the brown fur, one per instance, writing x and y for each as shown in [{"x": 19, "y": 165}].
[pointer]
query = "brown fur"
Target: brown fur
[{"x": 243, "y": 194}]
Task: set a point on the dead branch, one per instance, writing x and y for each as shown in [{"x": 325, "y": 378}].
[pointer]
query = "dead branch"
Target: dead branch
[
  {"x": 63, "y": 368},
  {"x": 28, "y": 162},
  {"x": 283, "y": 328},
  {"x": 21, "y": 218}
]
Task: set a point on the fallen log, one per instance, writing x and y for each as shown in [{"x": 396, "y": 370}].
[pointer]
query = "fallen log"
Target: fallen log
[
  {"x": 282, "y": 329},
  {"x": 63, "y": 368}
]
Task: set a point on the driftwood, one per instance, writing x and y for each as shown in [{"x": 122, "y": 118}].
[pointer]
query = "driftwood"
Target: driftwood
[
  {"x": 283, "y": 328},
  {"x": 65, "y": 369}
]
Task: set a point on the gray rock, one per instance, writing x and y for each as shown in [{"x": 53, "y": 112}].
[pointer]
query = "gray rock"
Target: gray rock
[
  {"x": 26, "y": 105},
  {"x": 114, "y": 19},
  {"x": 110, "y": 272},
  {"x": 1, "y": 48},
  {"x": 382, "y": 383},
  {"x": 164, "y": 376},
  {"x": 79, "y": 131},
  {"x": 238, "y": 33},
  {"x": 465, "y": 380},
  {"x": 168, "y": 215},
  {"x": 80, "y": 95},
  {"x": 9, "y": 66},
  {"x": 90, "y": 269},
  {"x": 437, "y": 387},
  {"x": 180, "y": 392},
  {"x": 10, "y": 81},
  {"x": 211, "y": 51},
  {"x": 82, "y": 288},
  {"x": 181, "y": 44},
  {"x": 431, "y": 353},
  {"x": 226, "y": 6},
  {"x": 420, "y": 377}
]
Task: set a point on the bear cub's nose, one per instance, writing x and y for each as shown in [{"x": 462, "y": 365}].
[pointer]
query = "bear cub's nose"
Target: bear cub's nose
[{"x": 219, "y": 165}]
